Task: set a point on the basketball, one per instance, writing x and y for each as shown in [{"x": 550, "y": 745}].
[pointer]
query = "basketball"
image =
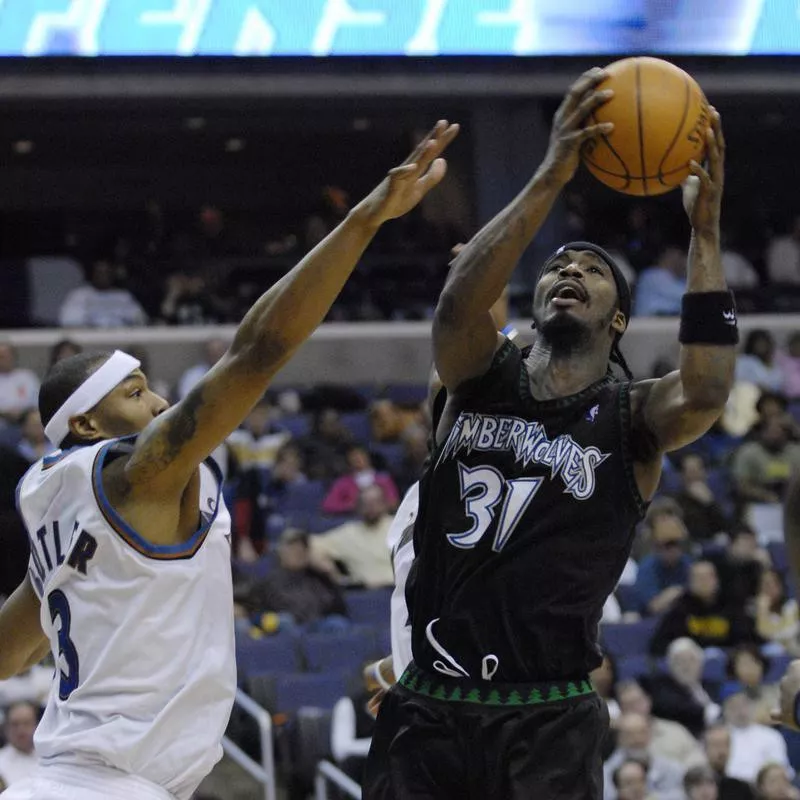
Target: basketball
[{"x": 660, "y": 116}]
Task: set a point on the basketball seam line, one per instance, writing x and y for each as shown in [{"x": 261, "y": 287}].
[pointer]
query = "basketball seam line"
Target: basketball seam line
[{"x": 639, "y": 123}]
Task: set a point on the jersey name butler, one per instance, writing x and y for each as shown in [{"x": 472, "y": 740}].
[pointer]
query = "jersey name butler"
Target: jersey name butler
[{"x": 529, "y": 444}]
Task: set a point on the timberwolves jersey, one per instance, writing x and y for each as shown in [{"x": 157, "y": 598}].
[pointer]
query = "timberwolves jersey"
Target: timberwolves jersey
[
  {"x": 526, "y": 520},
  {"x": 142, "y": 635}
]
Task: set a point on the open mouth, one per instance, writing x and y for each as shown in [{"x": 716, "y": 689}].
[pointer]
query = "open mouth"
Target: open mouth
[{"x": 566, "y": 293}]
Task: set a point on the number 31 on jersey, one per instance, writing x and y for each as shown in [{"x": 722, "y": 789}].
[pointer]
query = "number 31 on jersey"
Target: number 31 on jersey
[{"x": 483, "y": 488}]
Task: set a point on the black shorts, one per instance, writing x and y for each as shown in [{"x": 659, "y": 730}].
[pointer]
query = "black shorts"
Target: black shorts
[{"x": 500, "y": 743}]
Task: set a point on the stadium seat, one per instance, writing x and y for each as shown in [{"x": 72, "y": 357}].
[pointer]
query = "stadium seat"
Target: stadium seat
[
  {"x": 628, "y": 638},
  {"x": 384, "y": 638},
  {"x": 324, "y": 652},
  {"x": 777, "y": 667},
  {"x": 308, "y": 690},
  {"x": 405, "y": 394},
  {"x": 262, "y": 687},
  {"x": 271, "y": 654},
  {"x": 319, "y": 523},
  {"x": 392, "y": 454},
  {"x": 257, "y": 569},
  {"x": 627, "y": 596},
  {"x": 303, "y": 497},
  {"x": 719, "y": 483},
  {"x": 779, "y": 556},
  {"x": 633, "y": 667},
  {"x": 357, "y": 423},
  {"x": 369, "y": 606},
  {"x": 297, "y": 424},
  {"x": 715, "y": 669}
]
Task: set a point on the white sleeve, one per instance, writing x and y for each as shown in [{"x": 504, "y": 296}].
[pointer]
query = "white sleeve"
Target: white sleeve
[
  {"x": 343, "y": 732},
  {"x": 73, "y": 312}
]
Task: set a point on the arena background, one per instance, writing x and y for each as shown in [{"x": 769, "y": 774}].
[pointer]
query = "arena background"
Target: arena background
[{"x": 216, "y": 140}]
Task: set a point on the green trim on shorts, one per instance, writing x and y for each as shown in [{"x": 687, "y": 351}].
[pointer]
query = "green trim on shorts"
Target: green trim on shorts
[{"x": 487, "y": 693}]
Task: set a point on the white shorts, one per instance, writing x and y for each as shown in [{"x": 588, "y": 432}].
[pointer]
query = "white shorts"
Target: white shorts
[{"x": 84, "y": 783}]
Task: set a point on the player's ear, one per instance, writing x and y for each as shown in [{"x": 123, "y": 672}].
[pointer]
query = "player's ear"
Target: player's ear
[
  {"x": 619, "y": 322},
  {"x": 84, "y": 427}
]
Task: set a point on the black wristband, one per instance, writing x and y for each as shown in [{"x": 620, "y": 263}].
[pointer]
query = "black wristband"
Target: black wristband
[{"x": 708, "y": 318}]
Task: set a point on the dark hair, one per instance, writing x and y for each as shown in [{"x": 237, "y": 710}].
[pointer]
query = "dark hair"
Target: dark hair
[
  {"x": 58, "y": 346},
  {"x": 697, "y": 775},
  {"x": 62, "y": 379},
  {"x": 751, "y": 649},
  {"x": 618, "y": 770},
  {"x": 752, "y": 339},
  {"x": 767, "y": 396},
  {"x": 37, "y": 711}
]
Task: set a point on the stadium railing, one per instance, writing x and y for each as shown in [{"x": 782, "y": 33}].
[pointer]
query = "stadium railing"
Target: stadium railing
[{"x": 328, "y": 773}]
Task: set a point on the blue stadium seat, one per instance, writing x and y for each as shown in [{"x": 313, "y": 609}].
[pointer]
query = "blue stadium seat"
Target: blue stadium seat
[
  {"x": 259, "y": 568},
  {"x": 779, "y": 556},
  {"x": 384, "y": 640},
  {"x": 633, "y": 667},
  {"x": 296, "y": 424},
  {"x": 271, "y": 654},
  {"x": 628, "y": 638},
  {"x": 369, "y": 606},
  {"x": 303, "y": 689},
  {"x": 627, "y": 596},
  {"x": 318, "y": 523},
  {"x": 777, "y": 667},
  {"x": 405, "y": 394},
  {"x": 392, "y": 454},
  {"x": 794, "y": 410},
  {"x": 719, "y": 483},
  {"x": 326, "y": 652},
  {"x": 303, "y": 497},
  {"x": 792, "y": 747},
  {"x": 715, "y": 668},
  {"x": 357, "y": 423}
]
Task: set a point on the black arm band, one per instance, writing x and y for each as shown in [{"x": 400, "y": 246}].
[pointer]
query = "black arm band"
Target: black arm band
[{"x": 708, "y": 318}]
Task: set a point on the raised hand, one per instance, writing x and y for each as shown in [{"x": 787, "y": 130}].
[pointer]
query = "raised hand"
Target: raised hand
[
  {"x": 404, "y": 186},
  {"x": 702, "y": 190},
  {"x": 569, "y": 132}
]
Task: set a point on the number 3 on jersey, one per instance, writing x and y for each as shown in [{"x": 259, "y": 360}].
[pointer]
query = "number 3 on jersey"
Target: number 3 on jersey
[
  {"x": 483, "y": 488},
  {"x": 68, "y": 655}
]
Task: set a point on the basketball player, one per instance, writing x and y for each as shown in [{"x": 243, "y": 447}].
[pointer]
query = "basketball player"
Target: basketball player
[
  {"x": 129, "y": 582},
  {"x": 543, "y": 466}
]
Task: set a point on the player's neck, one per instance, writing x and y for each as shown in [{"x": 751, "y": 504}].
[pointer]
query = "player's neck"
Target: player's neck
[{"x": 553, "y": 374}]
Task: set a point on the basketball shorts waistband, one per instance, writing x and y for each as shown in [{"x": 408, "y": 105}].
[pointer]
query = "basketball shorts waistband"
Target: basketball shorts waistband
[
  {"x": 103, "y": 781},
  {"x": 490, "y": 693}
]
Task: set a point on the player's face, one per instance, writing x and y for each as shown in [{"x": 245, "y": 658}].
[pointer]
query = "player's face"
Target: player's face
[
  {"x": 577, "y": 286},
  {"x": 127, "y": 409}
]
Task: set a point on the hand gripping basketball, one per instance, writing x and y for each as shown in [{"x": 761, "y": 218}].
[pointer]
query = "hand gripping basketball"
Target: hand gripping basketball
[
  {"x": 702, "y": 190},
  {"x": 568, "y": 132}
]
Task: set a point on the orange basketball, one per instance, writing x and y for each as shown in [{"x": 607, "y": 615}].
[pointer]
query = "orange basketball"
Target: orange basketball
[{"x": 660, "y": 116}]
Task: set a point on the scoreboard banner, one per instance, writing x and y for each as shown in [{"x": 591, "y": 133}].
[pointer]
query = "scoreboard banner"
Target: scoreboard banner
[{"x": 397, "y": 27}]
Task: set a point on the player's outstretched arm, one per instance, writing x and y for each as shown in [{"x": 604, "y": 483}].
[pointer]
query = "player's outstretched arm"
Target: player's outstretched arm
[
  {"x": 464, "y": 335},
  {"x": 170, "y": 448},
  {"x": 22, "y": 641},
  {"x": 682, "y": 406}
]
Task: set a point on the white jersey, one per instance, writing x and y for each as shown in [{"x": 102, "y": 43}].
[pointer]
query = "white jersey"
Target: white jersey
[
  {"x": 142, "y": 634},
  {"x": 401, "y": 545}
]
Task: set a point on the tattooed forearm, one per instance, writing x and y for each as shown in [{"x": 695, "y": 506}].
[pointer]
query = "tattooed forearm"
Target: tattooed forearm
[{"x": 483, "y": 268}]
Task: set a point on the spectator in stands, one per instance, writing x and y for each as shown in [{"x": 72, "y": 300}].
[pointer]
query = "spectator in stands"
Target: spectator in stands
[
  {"x": 777, "y": 618},
  {"x": 642, "y": 239},
  {"x": 661, "y": 288},
  {"x": 752, "y": 745},
  {"x": 63, "y": 349},
  {"x": 289, "y": 467},
  {"x": 717, "y": 746},
  {"x": 703, "y": 614},
  {"x": 739, "y": 272},
  {"x": 326, "y": 446},
  {"x": 700, "y": 783},
  {"x": 33, "y": 444},
  {"x": 256, "y": 443},
  {"x": 663, "y": 574},
  {"x": 101, "y": 303},
  {"x": 739, "y": 567},
  {"x": 773, "y": 783},
  {"x": 19, "y": 388},
  {"x": 18, "y": 759},
  {"x": 214, "y": 350},
  {"x": 761, "y": 467},
  {"x": 389, "y": 421},
  {"x": 343, "y": 496},
  {"x": 668, "y": 739},
  {"x": 757, "y": 363},
  {"x": 332, "y": 207},
  {"x": 604, "y": 680},
  {"x": 359, "y": 546},
  {"x": 702, "y": 514},
  {"x": 415, "y": 452},
  {"x": 748, "y": 666},
  {"x": 634, "y": 739},
  {"x": 189, "y": 301},
  {"x": 630, "y": 781},
  {"x": 681, "y": 695},
  {"x": 788, "y": 362},
  {"x": 783, "y": 256},
  {"x": 300, "y": 595}
]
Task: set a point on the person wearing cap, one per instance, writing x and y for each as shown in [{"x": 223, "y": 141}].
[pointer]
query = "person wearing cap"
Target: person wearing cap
[
  {"x": 129, "y": 582},
  {"x": 543, "y": 465}
]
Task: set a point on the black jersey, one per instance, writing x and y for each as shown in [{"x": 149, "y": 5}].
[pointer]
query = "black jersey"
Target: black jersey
[{"x": 527, "y": 516}]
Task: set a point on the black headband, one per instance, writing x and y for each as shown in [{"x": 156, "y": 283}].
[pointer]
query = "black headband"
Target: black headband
[{"x": 623, "y": 290}]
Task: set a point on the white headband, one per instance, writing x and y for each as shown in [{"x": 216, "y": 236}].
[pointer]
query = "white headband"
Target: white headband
[{"x": 90, "y": 393}]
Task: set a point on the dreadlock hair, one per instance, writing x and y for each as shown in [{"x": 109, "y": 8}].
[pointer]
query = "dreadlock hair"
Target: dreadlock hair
[
  {"x": 617, "y": 358},
  {"x": 62, "y": 379}
]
